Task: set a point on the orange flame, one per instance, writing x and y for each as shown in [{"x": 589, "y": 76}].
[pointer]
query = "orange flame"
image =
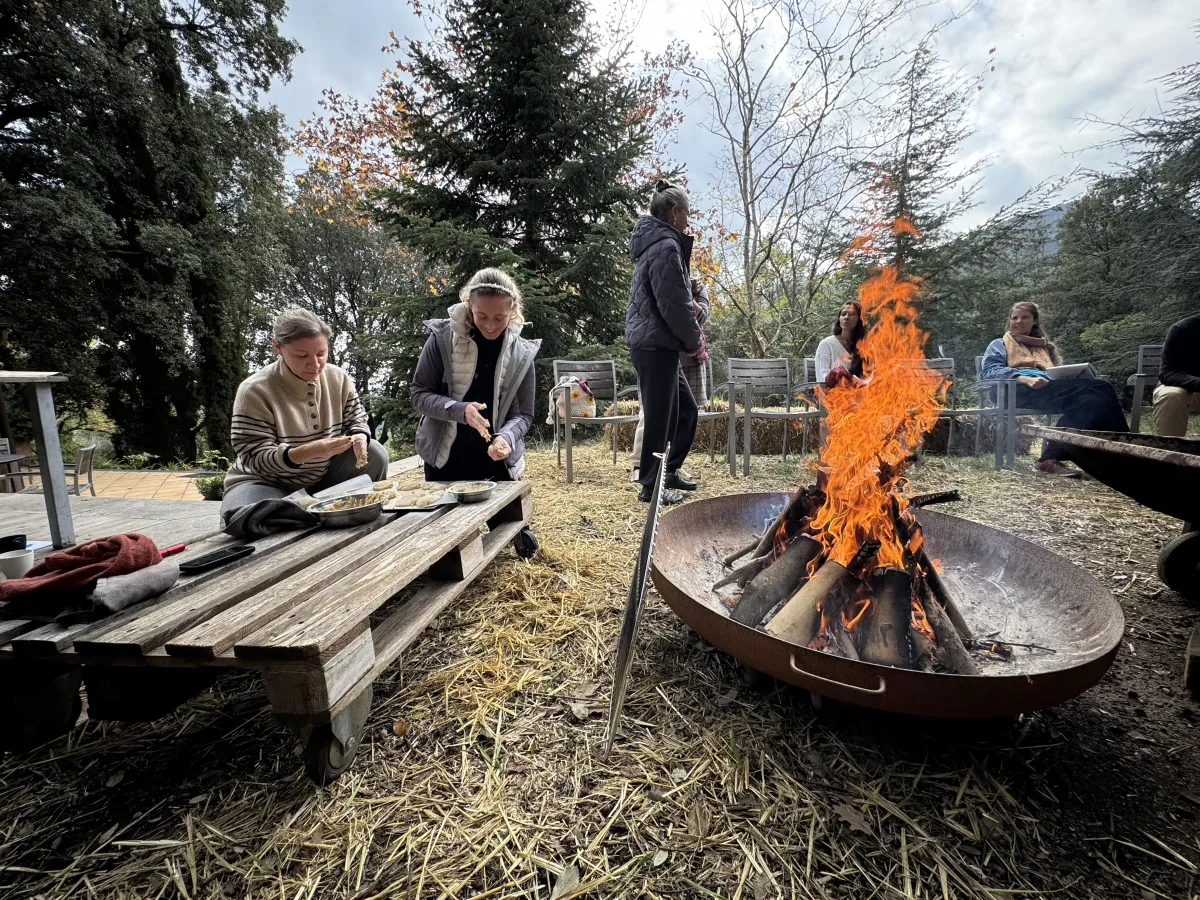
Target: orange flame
[{"x": 874, "y": 426}]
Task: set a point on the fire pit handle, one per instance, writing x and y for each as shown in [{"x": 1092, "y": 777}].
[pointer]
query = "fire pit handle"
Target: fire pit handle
[{"x": 841, "y": 684}]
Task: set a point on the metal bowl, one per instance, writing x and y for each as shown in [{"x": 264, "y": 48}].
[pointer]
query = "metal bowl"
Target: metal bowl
[
  {"x": 345, "y": 518},
  {"x": 1004, "y": 584},
  {"x": 481, "y": 491}
]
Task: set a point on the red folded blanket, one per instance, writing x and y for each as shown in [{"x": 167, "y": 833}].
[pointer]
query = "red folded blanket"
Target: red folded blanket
[{"x": 78, "y": 568}]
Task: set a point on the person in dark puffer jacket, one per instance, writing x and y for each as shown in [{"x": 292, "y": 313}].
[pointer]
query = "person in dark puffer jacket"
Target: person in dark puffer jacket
[{"x": 661, "y": 322}]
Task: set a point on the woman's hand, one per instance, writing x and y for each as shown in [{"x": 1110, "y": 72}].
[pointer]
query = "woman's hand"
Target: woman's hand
[
  {"x": 1030, "y": 381},
  {"x": 326, "y": 448},
  {"x": 475, "y": 419},
  {"x": 359, "y": 442},
  {"x": 499, "y": 448}
]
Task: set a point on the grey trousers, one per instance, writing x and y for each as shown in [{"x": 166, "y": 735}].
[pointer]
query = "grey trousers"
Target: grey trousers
[{"x": 342, "y": 467}]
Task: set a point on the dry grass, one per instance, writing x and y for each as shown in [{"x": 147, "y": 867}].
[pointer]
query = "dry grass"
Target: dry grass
[{"x": 480, "y": 775}]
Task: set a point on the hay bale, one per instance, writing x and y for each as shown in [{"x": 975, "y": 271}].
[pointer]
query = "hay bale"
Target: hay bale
[
  {"x": 767, "y": 433},
  {"x": 964, "y": 437}
]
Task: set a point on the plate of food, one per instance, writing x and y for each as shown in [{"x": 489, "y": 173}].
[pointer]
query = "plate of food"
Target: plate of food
[
  {"x": 426, "y": 495},
  {"x": 350, "y": 509},
  {"x": 472, "y": 491}
]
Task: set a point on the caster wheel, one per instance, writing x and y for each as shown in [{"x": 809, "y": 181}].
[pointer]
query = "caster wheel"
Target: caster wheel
[
  {"x": 46, "y": 706},
  {"x": 1179, "y": 564},
  {"x": 526, "y": 544},
  {"x": 325, "y": 757},
  {"x": 330, "y": 749}
]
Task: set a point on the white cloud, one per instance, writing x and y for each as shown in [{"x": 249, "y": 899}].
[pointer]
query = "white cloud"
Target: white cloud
[{"x": 1056, "y": 62}]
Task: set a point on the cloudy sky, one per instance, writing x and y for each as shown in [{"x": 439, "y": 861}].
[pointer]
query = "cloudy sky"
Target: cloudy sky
[{"x": 1057, "y": 61}]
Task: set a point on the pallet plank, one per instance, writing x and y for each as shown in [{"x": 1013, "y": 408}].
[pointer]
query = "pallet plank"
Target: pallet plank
[
  {"x": 207, "y": 639},
  {"x": 165, "y": 620},
  {"x": 326, "y": 620},
  {"x": 51, "y": 639},
  {"x": 404, "y": 625}
]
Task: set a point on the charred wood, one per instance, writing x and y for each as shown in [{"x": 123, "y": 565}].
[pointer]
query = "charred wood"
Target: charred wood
[
  {"x": 828, "y": 589},
  {"x": 805, "y": 502},
  {"x": 922, "y": 500},
  {"x": 906, "y": 532},
  {"x": 950, "y": 645},
  {"x": 886, "y": 642},
  {"x": 744, "y": 573},
  {"x": 738, "y": 554},
  {"x": 776, "y": 582}
]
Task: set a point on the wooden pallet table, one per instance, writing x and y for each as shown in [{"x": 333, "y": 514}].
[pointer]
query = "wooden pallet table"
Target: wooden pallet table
[{"x": 320, "y": 613}]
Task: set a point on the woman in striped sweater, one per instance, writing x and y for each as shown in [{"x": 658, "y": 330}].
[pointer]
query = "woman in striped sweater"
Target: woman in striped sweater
[{"x": 298, "y": 423}]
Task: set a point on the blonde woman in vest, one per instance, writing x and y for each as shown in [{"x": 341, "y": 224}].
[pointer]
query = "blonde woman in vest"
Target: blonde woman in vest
[
  {"x": 474, "y": 388},
  {"x": 1024, "y": 354},
  {"x": 298, "y": 423}
]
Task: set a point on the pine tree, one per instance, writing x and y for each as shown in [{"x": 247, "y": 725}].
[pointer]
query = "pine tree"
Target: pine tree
[{"x": 521, "y": 141}]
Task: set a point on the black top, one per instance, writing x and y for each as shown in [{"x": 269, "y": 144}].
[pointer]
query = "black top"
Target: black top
[
  {"x": 1181, "y": 355},
  {"x": 468, "y": 454}
]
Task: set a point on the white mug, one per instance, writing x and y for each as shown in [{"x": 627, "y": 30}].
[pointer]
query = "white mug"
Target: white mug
[{"x": 15, "y": 563}]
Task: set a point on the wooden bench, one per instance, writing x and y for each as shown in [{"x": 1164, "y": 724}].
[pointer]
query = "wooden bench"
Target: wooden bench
[{"x": 300, "y": 609}]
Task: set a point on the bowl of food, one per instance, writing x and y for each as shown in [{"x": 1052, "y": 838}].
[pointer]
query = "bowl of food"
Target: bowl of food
[
  {"x": 472, "y": 491},
  {"x": 352, "y": 509}
]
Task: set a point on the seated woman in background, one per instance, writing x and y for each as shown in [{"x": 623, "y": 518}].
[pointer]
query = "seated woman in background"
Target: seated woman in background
[
  {"x": 840, "y": 349},
  {"x": 475, "y": 388},
  {"x": 1024, "y": 354},
  {"x": 298, "y": 423}
]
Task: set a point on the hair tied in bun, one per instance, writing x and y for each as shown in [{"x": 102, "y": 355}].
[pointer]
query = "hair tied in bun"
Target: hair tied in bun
[{"x": 662, "y": 185}]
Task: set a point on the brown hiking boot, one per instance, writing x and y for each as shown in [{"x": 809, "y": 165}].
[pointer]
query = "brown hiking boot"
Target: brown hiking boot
[{"x": 1056, "y": 467}]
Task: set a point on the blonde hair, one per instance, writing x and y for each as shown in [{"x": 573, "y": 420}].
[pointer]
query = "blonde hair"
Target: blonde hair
[
  {"x": 493, "y": 283},
  {"x": 296, "y": 324}
]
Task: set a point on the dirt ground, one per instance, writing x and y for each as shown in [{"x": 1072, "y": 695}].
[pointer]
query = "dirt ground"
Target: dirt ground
[{"x": 480, "y": 773}]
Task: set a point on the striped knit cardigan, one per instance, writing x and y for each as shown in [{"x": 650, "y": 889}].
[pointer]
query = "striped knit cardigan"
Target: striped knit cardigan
[{"x": 275, "y": 410}]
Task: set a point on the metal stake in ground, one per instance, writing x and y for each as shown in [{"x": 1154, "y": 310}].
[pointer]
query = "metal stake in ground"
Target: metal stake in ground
[{"x": 634, "y": 604}]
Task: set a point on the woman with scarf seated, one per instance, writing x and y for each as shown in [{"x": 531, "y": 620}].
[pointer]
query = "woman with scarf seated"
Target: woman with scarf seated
[
  {"x": 1023, "y": 355},
  {"x": 474, "y": 388}
]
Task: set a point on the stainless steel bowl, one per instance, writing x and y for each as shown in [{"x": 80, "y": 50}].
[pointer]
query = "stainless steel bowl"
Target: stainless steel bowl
[
  {"x": 345, "y": 518},
  {"x": 484, "y": 490}
]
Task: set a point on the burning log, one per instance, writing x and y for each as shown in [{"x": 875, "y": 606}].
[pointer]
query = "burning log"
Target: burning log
[
  {"x": 887, "y": 640},
  {"x": 803, "y": 504},
  {"x": 933, "y": 580},
  {"x": 952, "y": 651},
  {"x": 744, "y": 573},
  {"x": 776, "y": 582},
  {"x": 825, "y": 593}
]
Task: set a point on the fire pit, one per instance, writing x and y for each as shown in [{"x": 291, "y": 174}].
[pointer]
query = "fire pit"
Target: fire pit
[{"x": 1002, "y": 585}]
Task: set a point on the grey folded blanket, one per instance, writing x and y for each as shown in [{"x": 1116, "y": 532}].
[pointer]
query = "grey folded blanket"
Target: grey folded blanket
[
  {"x": 265, "y": 517},
  {"x": 114, "y": 594}
]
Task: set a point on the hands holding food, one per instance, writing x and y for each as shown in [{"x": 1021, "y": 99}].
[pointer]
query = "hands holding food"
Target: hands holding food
[
  {"x": 326, "y": 448},
  {"x": 475, "y": 419},
  {"x": 499, "y": 448},
  {"x": 360, "y": 450}
]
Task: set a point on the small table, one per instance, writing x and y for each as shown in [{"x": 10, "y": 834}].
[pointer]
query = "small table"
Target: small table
[{"x": 50, "y": 462}]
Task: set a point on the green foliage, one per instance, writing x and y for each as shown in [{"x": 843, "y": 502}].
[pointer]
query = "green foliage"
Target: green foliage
[
  {"x": 137, "y": 180},
  {"x": 521, "y": 138},
  {"x": 211, "y": 487}
]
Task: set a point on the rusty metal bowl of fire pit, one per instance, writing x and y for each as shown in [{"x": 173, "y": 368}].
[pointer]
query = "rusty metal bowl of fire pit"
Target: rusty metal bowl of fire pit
[{"x": 1003, "y": 585}]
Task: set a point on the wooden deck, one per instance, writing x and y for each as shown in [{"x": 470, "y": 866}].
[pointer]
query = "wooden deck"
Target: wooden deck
[{"x": 165, "y": 522}]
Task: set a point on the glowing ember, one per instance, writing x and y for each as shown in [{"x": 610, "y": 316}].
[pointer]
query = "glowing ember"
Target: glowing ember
[{"x": 876, "y": 424}]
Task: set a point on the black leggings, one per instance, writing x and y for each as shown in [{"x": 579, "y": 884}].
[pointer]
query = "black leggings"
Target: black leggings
[
  {"x": 1087, "y": 403},
  {"x": 668, "y": 410}
]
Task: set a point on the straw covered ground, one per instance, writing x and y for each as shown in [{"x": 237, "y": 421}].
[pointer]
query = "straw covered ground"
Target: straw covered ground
[{"x": 480, "y": 776}]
